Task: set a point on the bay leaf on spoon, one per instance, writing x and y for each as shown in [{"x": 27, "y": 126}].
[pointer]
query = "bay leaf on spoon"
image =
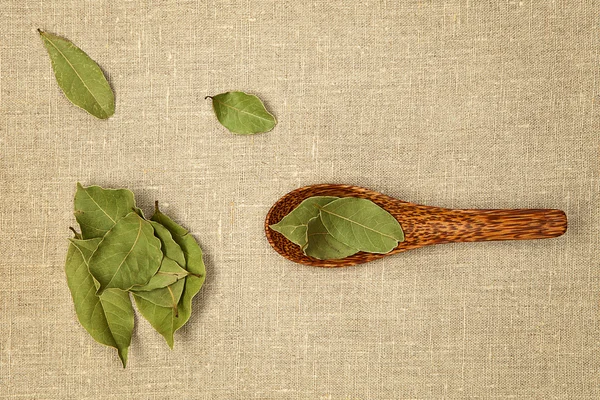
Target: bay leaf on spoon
[
  {"x": 322, "y": 245},
  {"x": 362, "y": 224},
  {"x": 294, "y": 225}
]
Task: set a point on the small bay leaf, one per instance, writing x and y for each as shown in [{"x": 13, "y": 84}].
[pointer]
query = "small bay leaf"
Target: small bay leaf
[
  {"x": 79, "y": 77},
  {"x": 108, "y": 318},
  {"x": 322, "y": 245},
  {"x": 293, "y": 226},
  {"x": 129, "y": 254},
  {"x": 242, "y": 113},
  {"x": 362, "y": 224},
  {"x": 97, "y": 210}
]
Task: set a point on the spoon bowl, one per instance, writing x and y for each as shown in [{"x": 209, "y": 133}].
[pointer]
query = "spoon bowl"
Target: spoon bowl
[{"x": 422, "y": 225}]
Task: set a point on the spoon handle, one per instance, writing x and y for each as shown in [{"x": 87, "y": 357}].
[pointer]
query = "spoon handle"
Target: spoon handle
[{"x": 445, "y": 226}]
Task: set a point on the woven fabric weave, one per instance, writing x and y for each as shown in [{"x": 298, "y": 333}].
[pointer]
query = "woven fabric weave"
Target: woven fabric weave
[{"x": 461, "y": 104}]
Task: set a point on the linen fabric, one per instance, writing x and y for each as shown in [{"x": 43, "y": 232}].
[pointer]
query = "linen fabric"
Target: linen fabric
[{"x": 460, "y": 104}]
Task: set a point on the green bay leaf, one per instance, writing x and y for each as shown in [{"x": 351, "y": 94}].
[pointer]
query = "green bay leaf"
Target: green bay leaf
[
  {"x": 86, "y": 247},
  {"x": 97, "y": 210},
  {"x": 129, "y": 254},
  {"x": 168, "y": 273},
  {"x": 108, "y": 318},
  {"x": 242, "y": 113},
  {"x": 293, "y": 226},
  {"x": 161, "y": 318},
  {"x": 322, "y": 245},
  {"x": 79, "y": 77},
  {"x": 168, "y": 296},
  {"x": 169, "y": 246},
  {"x": 362, "y": 224},
  {"x": 194, "y": 264},
  {"x": 166, "y": 320},
  {"x": 193, "y": 283}
]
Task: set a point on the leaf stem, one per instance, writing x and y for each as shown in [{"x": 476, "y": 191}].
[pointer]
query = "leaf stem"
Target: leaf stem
[
  {"x": 77, "y": 234},
  {"x": 175, "y": 310}
]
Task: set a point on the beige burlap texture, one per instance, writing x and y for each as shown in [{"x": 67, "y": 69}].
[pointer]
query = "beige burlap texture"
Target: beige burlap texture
[{"x": 461, "y": 104}]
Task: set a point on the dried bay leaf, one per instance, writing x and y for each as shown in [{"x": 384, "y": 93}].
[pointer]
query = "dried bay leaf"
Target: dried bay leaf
[
  {"x": 169, "y": 247},
  {"x": 86, "y": 247},
  {"x": 161, "y": 318},
  {"x": 242, "y": 113},
  {"x": 97, "y": 210},
  {"x": 362, "y": 224},
  {"x": 167, "y": 320},
  {"x": 120, "y": 251},
  {"x": 322, "y": 245},
  {"x": 193, "y": 283},
  {"x": 294, "y": 225},
  {"x": 108, "y": 318},
  {"x": 168, "y": 296},
  {"x": 79, "y": 77},
  {"x": 129, "y": 254},
  {"x": 168, "y": 273},
  {"x": 191, "y": 250}
]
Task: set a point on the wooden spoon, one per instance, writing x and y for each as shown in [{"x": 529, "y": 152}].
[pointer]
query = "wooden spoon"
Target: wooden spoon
[{"x": 422, "y": 225}]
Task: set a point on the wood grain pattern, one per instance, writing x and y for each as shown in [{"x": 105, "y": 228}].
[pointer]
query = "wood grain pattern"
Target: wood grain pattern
[{"x": 422, "y": 225}]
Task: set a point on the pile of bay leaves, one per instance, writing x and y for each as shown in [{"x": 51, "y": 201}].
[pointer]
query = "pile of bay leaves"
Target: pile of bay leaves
[
  {"x": 329, "y": 228},
  {"x": 119, "y": 252}
]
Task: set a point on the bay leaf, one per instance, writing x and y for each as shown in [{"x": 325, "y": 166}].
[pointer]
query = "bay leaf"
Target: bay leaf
[
  {"x": 165, "y": 319},
  {"x": 169, "y": 247},
  {"x": 161, "y": 318},
  {"x": 139, "y": 212},
  {"x": 191, "y": 250},
  {"x": 322, "y": 245},
  {"x": 129, "y": 254},
  {"x": 79, "y": 77},
  {"x": 362, "y": 224},
  {"x": 168, "y": 273},
  {"x": 294, "y": 225},
  {"x": 242, "y": 113},
  {"x": 168, "y": 296},
  {"x": 86, "y": 247},
  {"x": 97, "y": 209},
  {"x": 107, "y": 318}
]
